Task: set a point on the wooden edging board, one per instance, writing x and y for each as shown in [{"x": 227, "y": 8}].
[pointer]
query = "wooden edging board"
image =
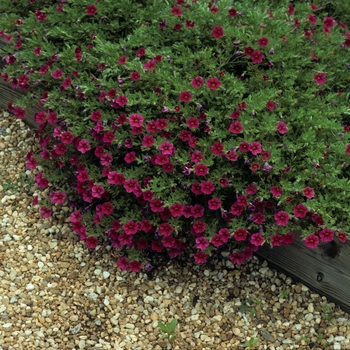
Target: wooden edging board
[{"x": 325, "y": 269}]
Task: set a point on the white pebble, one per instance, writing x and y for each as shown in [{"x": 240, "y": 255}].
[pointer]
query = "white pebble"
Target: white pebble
[
  {"x": 7, "y": 325},
  {"x": 30, "y": 286},
  {"x": 337, "y": 346},
  {"x": 206, "y": 273},
  {"x": 309, "y": 317},
  {"x": 106, "y": 302},
  {"x": 30, "y": 247},
  {"x": 178, "y": 289},
  {"x": 97, "y": 272},
  {"x": 106, "y": 274},
  {"x": 41, "y": 264},
  {"x": 339, "y": 338}
]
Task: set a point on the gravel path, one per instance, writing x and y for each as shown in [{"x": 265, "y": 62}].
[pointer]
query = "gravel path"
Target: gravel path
[{"x": 57, "y": 294}]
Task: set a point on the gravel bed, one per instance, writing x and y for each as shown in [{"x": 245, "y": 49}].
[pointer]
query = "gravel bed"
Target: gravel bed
[{"x": 57, "y": 294}]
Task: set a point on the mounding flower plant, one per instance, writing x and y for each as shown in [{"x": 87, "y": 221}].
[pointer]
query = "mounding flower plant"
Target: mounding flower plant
[{"x": 203, "y": 127}]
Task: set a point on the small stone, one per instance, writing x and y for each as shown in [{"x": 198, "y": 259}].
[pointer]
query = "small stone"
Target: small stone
[
  {"x": 97, "y": 272},
  {"x": 206, "y": 273},
  {"x": 30, "y": 286},
  {"x": 310, "y": 308},
  {"x": 267, "y": 336},
  {"x": 41, "y": 264},
  {"x": 309, "y": 317},
  {"x": 106, "y": 274},
  {"x": 178, "y": 289},
  {"x": 236, "y": 331},
  {"x": 336, "y": 346},
  {"x": 154, "y": 316},
  {"x": 7, "y": 325},
  {"x": 76, "y": 329},
  {"x": 129, "y": 326}
]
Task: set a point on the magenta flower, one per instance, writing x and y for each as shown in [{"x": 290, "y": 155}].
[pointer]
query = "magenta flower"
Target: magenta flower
[
  {"x": 347, "y": 150},
  {"x": 216, "y": 240},
  {"x": 270, "y": 105},
  {"x": 202, "y": 243},
  {"x": 276, "y": 191},
  {"x": 57, "y": 74},
  {"x": 45, "y": 212},
  {"x": 251, "y": 189},
  {"x": 320, "y": 78},
  {"x": 176, "y": 11},
  {"x": 37, "y": 50},
  {"x": 130, "y": 157},
  {"x": 213, "y": 83},
  {"x": 217, "y": 32},
  {"x": 122, "y": 263},
  {"x": 147, "y": 141},
  {"x": 161, "y": 124},
  {"x": 197, "y": 211},
  {"x": 342, "y": 237},
  {"x": 237, "y": 209},
  {"x": 200, "y": 258},
  {"x": 192, "y": 122},
  {"x": 134, "y": 76},
  {"x": 165, "y": 229},
  {"x": 141, "y": 52},
  {"x": 201, "y": 170},
  {"x": 232, "y": 12},
  {"x": 40, "y": 16},
  {"x": 198, "y": 227},
  {"x": 236, "y": 128},
  {"x": 97, "y": 191},
  {"x": 240, "y": 234},
  {"x": 122, "y": 100},
  {"x": 300, "y": 211},
  {"x": 197, "y": 82},
  {"x": 214, "y": 204},
  {"x": 167, "y": 148},
  {"x": 308, "y": 192},
  {"x": 207, "y": 187},
  {"x": 236, "y": 258},
  {"x": 136, "y": 120},
  {"x": 255, "y": 148},
  {"x": 176, "y": 209},
  {"x": 288, "y": 238},
  {"x": 91, "y": 242},
  {"x": 150, "y": 65},
  {"x": 281, "y": 128},
  {"x": 135, "y": 266},
  {"x": 257, "y": 239},
  {"x": 185, "y": 96},
  {"x": 281, "y": 218},
  {"x": 255, "y": 167},
  {"x": 276, "y": 240},
  {"x": 328, "y": 22},
  {"x": 263, "y": 41},
  {"x": 312, "y": 19},
  {"x": 257, "y": 57},
  {"x": 91, "y": 10},
  {"x": 122, "y": 60},
  {"x": 326, "y": 235},
  {"x": 83, "y": 146},
  {"x": 67, "y": 82},
  {"x": 258, "y": 218},
  {"x": 311, "y": 241},
  {"x": 58, "y": 197},
  {"x": 217, "y": 148}
]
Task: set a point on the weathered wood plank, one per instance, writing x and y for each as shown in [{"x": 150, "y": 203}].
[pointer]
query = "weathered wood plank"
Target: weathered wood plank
[{"x": 325, "y": 269}]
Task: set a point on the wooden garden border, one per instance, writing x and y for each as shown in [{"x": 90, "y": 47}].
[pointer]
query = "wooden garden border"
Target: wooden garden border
[{"x": 325, "y": 270}]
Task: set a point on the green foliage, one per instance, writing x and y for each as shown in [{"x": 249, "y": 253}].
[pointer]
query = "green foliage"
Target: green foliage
[
  {"x": 168, "y": 329},
  {"x": 251, "y": 343},
  {"x": 278, "y": 84}
]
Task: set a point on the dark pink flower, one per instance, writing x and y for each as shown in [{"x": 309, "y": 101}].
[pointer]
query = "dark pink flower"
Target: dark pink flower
[
  {"x": 45, "y": 212},
  {"x": 213, "y": 83},
  {"x": 135, "y": 266},
  {"x": 197, "y": 211},
  {"x": 276, "y": 240},
  {"x": 314, "y": 7},
  {"x": 57, "y": 74},
  {"x": 97, "y": 191},
  {"x": 347, "y": 150},
  {"x": 263, "y": 41},
  {"x": 201, "y": 170},
  {"x": 185, "y": 96},
  {"x": 217, "y": 240},
  {"x": 141, "y": 52},
  {"x": 281, "y": 128},
  {"x": 288, "y": 238},
  {"x": 232, "y": 12},
  {"x": 312, "y": 19},
  {"x": 320, "y": 78},
  {"x": 150, "y": 65},
  {"x": 308, "y": 192},
  {"x": 342, "y": 237},
  {"x": 197, "y": 82},
  {"x": 236, "y": 128},
  {"x": 290, "y": 9},
  {"x": 192, "y": 122},
  {"x": 189, "y": 24},
  {"x": 258, "y": 218},
  {"x": 136, "y": 120},
  {"x": 91, "y": 242},
  {"x": 300, "y": 211},
  {"x": 83, "y": 146},
  {"x": 270, "y": 105},
  {"x": 255, "y": 148},
  {"x": 257, "y": 239},
  {"x": 134, "y": 76},
  {"x": 198, "y": 227},
  {"x": 91, "y": 10},
  {"x": 202, "y": 243},
  {"x": 176, "y": 11},
  {"x": 130, "y": 157},
  {"x": 214, "y": 204},
  {"x": 40, "y": 16},
  {"x": 276, "y": 191},
  {"x": 257, "y": 57},
  {"x": 122, "y": 60},
  {"x": 281, "y": 218},
  {"x": 217, "y": 32},
  {"x": 311, "y": 241},
  {"x": 165, "y": 229},
  {"x": 122, "y": 263},
  {"x": 328, "y": 22},
  {"x": 236, "y": 258},
  {"x": 200, "y": 258},
  {"x": 251, "y": 189},
  {"x": 217, "y": 148},
  {"x": 237, "y": 209},
  {"x": 326, "y": 235},
  {"x": 207, "y": 187}
]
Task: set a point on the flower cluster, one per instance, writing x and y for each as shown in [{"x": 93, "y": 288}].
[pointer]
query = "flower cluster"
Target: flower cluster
[{"x": 188, "y": 133}]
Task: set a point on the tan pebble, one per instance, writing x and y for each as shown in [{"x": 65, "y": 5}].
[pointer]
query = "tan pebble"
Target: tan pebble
[
  {"x": 154, "y": 316},
  {"x": 310, "y": 308},
  {"x": 236, "y": 331}
]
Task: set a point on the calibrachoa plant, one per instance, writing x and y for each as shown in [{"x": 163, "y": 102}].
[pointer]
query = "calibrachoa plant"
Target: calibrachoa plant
[{"x": 207, "y": 127}]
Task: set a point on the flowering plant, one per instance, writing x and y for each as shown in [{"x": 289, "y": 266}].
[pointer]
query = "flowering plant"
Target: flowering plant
[{"x": 205, "y": 126}]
